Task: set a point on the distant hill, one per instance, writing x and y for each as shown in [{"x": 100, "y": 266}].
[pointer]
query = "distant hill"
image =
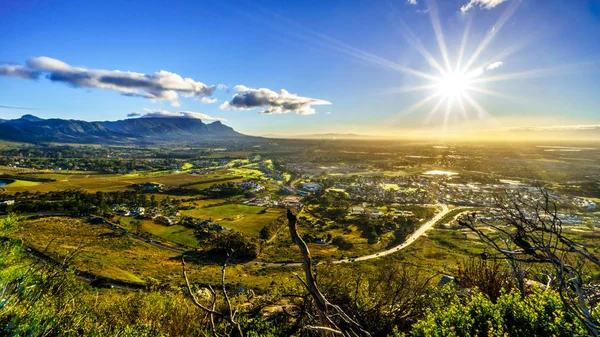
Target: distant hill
[
  {"x": 33, "y": 129},
  {"x": 325, "y": 136},
  {"x": 171, "y": 129}
]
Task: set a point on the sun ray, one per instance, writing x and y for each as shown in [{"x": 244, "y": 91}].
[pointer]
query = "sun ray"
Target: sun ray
[
  {"x": 410, "y": 88},
  {"x": 434, "y": 110},
  {"x": 481, "y": 112},
  {"x": 491, "y": 93},
  {"x": 492, "y": 33},
  {"x": 310, "y": 36},
  {"x": 463, "y": 111},
  {"x": 439, "y": 34},
  {"x": 536, "y": 73},
  {"x": 463, "y": 44},
  {"x": 411, "y": 38},
  {"x": 515, "y": 47},
  {"x": 417, "y": 105},
  {"x": 447, "y": 113}
]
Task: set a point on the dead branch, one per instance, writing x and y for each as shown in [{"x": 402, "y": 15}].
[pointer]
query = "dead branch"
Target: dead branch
[
  {"x": 346, "y": 326},
  {"x": 227, "y": 318},
  {"x": 532, "y": 233}
]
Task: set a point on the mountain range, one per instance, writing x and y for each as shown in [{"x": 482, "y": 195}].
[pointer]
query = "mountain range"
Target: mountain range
[{"x": 33, "y": 129}]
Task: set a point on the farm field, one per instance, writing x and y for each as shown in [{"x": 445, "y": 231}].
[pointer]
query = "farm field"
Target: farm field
[
  {"x": 110, "y": 183},
  {"x": 98, "y": 250},
  {"x": 243, "y": 218}
]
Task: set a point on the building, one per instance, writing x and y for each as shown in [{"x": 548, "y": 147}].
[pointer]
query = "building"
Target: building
[
  {"x": 375, "y": 212},
  {"x": 312, "y": 187},
  {"x": 8, "y": 202},
  {"x": 357, "y": 210},
  {"x": 163, "y": 220}
]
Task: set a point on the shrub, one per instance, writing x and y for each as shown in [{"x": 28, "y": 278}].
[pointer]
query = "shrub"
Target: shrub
[{"x": 537, "y": 314}]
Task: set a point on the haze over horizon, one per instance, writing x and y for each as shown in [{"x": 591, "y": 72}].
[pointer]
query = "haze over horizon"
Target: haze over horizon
[{"x": 305, "y": 68}]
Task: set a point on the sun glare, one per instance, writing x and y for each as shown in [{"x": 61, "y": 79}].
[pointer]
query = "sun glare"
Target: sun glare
[{"x": 452, "y": 85}]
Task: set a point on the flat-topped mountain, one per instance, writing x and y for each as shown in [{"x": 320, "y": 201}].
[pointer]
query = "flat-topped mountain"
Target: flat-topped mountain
[{"x": 33, "y": 129}]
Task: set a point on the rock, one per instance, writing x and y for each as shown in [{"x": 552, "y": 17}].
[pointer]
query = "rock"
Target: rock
[{"x": 447, "y": 279}]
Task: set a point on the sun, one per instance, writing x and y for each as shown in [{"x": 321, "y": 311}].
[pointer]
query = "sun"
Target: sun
[
  {"x": 455, "y": 82},
  {"x": 452, "y": 85}
]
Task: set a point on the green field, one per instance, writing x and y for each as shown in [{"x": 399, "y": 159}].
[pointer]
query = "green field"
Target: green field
[
  {"x": 243, "y": 218},
  {"x": 107, "y": 183},
  {"x": 102, "y": 251}
]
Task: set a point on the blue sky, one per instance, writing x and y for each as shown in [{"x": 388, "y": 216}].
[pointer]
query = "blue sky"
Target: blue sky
[{"x": 356, "y": 55}]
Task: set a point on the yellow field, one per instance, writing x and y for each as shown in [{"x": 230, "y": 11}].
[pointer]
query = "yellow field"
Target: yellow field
[{"x": 107, "y": 183}]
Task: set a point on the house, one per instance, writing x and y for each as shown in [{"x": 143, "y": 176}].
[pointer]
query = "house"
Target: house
[
  {"x": 357, "y": 210},
  {"x": 312, "y": 187},
  {"x": 404, "y": 213},
  {"x": 287, "y": 190},
  {"x": 139, "y": 210},
  {"x": 163, "y": 220},
  {"x": 319, "y": 242},
  {"x": 7, "y": 202},
  {"x": 152, "y": 187},
  {"x": 218, "y": 228},
  {"x": 251, "y": 185},
  {"x": 375, "y": 212}
]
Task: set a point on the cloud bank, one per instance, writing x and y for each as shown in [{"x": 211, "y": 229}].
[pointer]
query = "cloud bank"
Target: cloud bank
[
  {"x": 148, "y": 113},
  {"x": 487, "y": 4},
  {"x": 162, "y": 85},
  {"x": 272, "y": 102},
  {"x": 583, "y": 127}
]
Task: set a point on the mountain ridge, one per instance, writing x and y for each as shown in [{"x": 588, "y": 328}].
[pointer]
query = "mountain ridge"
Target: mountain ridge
[{"x": 29, "y": 128}]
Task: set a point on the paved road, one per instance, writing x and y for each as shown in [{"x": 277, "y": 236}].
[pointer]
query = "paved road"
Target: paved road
[
  {"x": 409, "y": 240},
  {"x": 124, "y": 286}
]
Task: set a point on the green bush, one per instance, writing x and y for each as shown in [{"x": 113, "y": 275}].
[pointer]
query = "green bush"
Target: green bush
[{"x": 538, "y": 314}]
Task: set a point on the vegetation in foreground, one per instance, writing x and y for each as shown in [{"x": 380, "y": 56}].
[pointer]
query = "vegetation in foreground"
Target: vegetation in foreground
[{"x": 43, "y": 298}]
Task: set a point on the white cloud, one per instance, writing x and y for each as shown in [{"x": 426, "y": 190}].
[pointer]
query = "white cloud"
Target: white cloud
[
  {"x": 208, "y": 100},
  {"x": 12, "y": 70},
  {"x": 411, "y": 2},
  {"x": 175, "y": 104},
  {"x": 148, "y": 113},
  {"x": 272, "y": 102},
  {"x": 495, "y": 65},
  {"x": 221, "y": 86},
  {"x": 487, "y": 4},
  {"x": 162, "y": 85}
]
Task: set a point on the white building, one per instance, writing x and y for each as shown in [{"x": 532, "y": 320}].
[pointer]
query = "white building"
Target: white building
[{"x": 312, "y": 187}]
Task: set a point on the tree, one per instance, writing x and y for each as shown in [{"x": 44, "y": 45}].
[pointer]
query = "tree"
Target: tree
[
  {"x": 342, "y": 243},
  {"x": 531, "y": 232}
]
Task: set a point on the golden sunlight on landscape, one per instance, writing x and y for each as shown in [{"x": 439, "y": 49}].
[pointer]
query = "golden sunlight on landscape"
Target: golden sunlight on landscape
[{"x": 300, "y": 168}]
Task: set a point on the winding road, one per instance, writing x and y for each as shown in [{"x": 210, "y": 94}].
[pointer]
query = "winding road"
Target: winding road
[
  {"x": 89, "y": 278},
  {"x": 409, "y": 240}
]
